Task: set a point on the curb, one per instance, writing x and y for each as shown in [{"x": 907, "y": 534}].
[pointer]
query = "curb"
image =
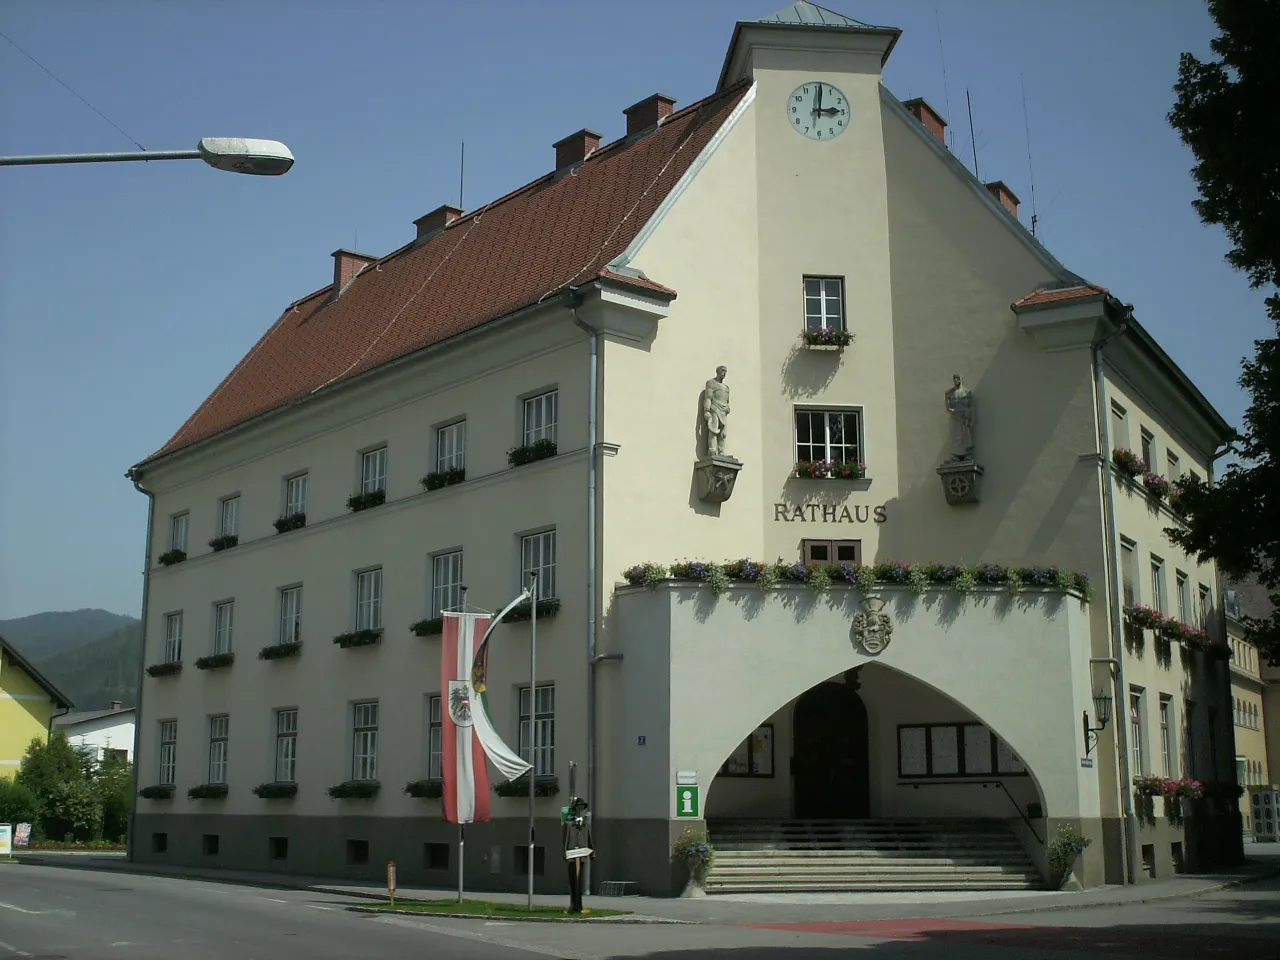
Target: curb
[{"x": 517, "y": 919}]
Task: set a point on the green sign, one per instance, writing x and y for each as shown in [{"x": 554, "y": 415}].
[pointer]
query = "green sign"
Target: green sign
[{"x": 687, "y": 801}]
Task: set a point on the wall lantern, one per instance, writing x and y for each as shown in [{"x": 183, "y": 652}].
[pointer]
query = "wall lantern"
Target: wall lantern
[{"x": 1102, "y": 708}]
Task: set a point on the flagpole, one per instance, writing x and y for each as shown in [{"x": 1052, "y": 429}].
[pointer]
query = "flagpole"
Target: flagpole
[
  {"x": 462, "y": 839},
  {"x": 533, "y": 716}
]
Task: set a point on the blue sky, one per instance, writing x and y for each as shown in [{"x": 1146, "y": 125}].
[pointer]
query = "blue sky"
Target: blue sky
[{"x": 127, "y": 291}]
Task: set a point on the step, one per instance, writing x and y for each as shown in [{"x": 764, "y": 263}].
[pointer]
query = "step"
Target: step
[
  {"x": 867, "y": 863},
  {"x": 869, "y": 886}
]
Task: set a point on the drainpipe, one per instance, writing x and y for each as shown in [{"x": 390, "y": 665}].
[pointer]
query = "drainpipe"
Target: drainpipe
[
  {"x": 1115, "y": 596},
  {"x": 131, "y": 839},
  {"x": 573, "y": 300}
]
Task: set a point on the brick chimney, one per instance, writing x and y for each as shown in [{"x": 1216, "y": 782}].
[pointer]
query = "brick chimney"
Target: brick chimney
[
  {"x": 1007, "y": 197},
  {"x": 346, "y": 264},
  {"x": 648, "y": 112},
  {"x": 116, "y": 705},
  {"x": 576, "y": 147},
  {"x": 930, "y": 117},
  {"x": 437, "y": 219}
]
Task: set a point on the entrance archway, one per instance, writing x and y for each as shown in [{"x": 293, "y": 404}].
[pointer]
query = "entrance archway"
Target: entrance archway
[{"x": 830, "y": 764}]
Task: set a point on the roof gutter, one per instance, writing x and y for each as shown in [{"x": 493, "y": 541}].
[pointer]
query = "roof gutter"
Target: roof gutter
[{"x": 135, "y": 475}]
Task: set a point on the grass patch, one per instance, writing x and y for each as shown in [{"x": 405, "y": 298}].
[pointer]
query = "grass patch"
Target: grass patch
[{"x": 487, "y": 908}]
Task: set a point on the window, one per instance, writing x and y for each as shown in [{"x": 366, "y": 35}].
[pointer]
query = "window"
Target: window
[
  {"x": 291, "y": 615},
  {"x": 209, "y": 844},
  {"x": 357, "y": 851},
  {"x": 229, "y": 517},
  {"x": 1189, "y": 766},
  {"x": 829, "y": 435},
  {"x": 823, "y": 303},
  {"x": 286, "y": 746},
  {"x": 218, "y": 728},
  {"x": 1206, "y": 606},
  {"x": 1129, "y": 571},
  {"x": 754, "y": 756},
  {"x": 1157, "y": 583},
  {"x": 1119, "y": 426},
  {"x": 954, "y": 750},
  {"x": 1175, "y": 465},
  {"x": 222, "y": 617},
  {"x": 543, "y": 726},
  {"x": 435, "y": 738},
  {"x": 540, "y": 417},
  {"x": 435, "y": 856},
  {"x": 373, "y": 470},
  {"x": 278, "y": 848},
  {"x": 168, "y": 750},
  {"x": 538, "y": 555},
  {"x": 1148, "y": 449},
  {"x": 1166, "y": 734},
  {"x": 451, "y": 447},
  {"x": 173, "y": 637},
  {"x": 369, "y": 600},
  {"x": 364, "y": 743},
  {"x": 178, "y": 528},
  {"x": 159, "y": 843},
  {"x": 446, "y": 582},
  {"x": 832, "y": 551},
  {"x": 1184, "y": 597},
  {"x": 295, "y": 495},
  {"x": 1137, "y": 731}
]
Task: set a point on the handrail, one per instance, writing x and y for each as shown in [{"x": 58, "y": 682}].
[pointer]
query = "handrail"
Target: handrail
[{"x": 984, "y": 784}]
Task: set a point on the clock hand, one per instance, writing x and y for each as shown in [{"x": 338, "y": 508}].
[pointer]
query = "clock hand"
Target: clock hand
[{"x": 820, "y": 98}]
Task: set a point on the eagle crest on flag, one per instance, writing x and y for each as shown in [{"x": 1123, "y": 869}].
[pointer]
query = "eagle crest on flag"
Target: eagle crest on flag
[{"x": 460, "y": 703}]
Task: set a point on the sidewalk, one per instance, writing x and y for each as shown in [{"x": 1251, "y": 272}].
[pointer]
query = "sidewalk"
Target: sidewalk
[{"x": 1261, "y": 862}]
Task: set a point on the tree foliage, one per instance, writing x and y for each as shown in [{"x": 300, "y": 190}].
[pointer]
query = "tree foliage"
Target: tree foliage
[
  {"x": 67, "y": 794},
  {"x": 1225, "y": 114},
  {"x": 17, "y": 803}
]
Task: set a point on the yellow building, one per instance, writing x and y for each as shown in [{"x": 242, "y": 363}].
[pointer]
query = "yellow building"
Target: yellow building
[
  {"x": 27, "y": 702},
  {"x": 1250, "y": 679}
]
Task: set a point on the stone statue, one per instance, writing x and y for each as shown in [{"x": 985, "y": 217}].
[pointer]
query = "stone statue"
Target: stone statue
[
  {"x": 959, "y": 400},
  {"x": 715, "y": 412}
]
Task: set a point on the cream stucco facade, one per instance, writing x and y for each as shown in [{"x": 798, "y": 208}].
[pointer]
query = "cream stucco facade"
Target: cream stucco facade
[{"x": 929, "y": 263}]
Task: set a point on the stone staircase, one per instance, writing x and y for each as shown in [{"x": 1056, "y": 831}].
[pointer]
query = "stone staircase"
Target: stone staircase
[{"x": 798, "y": 856}]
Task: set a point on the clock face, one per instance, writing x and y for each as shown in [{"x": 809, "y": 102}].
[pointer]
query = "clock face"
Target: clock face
[{"x": 818, "y": 111}]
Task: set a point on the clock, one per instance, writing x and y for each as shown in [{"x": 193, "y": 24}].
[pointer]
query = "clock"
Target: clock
[{"x": 818, "y": 111}]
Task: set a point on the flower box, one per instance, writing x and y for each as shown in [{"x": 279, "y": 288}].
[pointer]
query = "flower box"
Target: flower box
[
  {"x": 542, "y": 787},
  {"x": 355, "y": 790},
  {"x": 279, "y": 651},
  {"x": 170, "y": 557},
  {"x": 159, "y": 791},
  {"x": 546, "y": 608},
  {"x": 208, "y": 791},
  {"x": 1146, "y": 618},
  {"x": 1128, "y": 462},
  {"x": 443, "y": 478},
  {"x": 294, "y": 521},
  {"x": 1157, "y": 487},
  {"x": 425, "y": 789},
  {"x": 362, "y": 501},
  {"x": 215, "y": 660},
  {"x": 358, "y": 638},
  {"x": 166, "y": 669},
  {"x": 276, "y": 791},
  {"x": 531, "y": 453},
  {"x": 830, "y": 470},
  {"x": 826, "y": 339},
  {"x": 431, "y": 627},
  {"x": 224, "y": 542}
]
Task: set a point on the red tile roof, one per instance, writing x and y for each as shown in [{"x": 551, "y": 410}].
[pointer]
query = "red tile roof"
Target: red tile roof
[
  {"x": 513, "y": 252},
  {"x": 1041, "y": 295}
]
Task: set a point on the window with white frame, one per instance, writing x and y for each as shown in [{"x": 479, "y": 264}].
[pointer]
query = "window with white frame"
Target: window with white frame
[
  {"x": 1175, "y": 465},
  {"x": 364, "y": 741},
  {"x": 229, "y": 517},
  {"x": 832, "y": 551},
  {"x": 1129, "y": 571},
  {"x": 1184, "y": 597},
  {"x": 291, "y": 615},
  {"x": 1157, "y": 583},
  {"x": 1137, "y": 731},
  {"x": 446, "y": 582},
  {"x": 178, "y": 529},
  {"x": 223, "y": 614},
  {"x": 539, "y": 723},
  {"x": 173, "y": 637},
  {"x": 369, "y": 600},
  {"x": 1119, "y": 426},
  {"x": 834, "y": 435},
  {"x": 286, "y": 745},
  {"x": 823, "y": 303},
  {"x": 295, "y": 495},
  {"x": 1148, "y": 449},
  {"x": 538, "y": 555},
  {"x": 451, "y": 447},
  {"x": 1167, "y": 734},
  {"x": 541, "y": 414},
  {"x": 168, "y": 751},
  {"x": 219, "y": 727},
  {"x": 373, "y": 470},
  {"x": 435, "y": 738}
]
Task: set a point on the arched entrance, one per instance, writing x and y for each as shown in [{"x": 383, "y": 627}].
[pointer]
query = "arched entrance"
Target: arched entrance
[{"x": 830, "y": 769}]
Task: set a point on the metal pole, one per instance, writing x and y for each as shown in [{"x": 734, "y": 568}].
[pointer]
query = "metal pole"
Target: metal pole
[
  {"x": 533, "y": 716},
  {"x": 145, "y": 155},
  {"x": 462, "y": 846}
]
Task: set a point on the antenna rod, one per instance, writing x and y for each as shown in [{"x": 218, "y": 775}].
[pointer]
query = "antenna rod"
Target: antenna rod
[
  {"x": 462, "y": 172},
  {"x": 1031, "y": 173},
  {"x": 946, "y": 90},
  {"x": 972, "y": 142}
]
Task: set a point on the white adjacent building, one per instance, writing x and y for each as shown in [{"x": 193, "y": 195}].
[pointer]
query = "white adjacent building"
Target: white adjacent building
[
  {"x": 521, "y": 389},
  {"x": 103, "y": 734}
]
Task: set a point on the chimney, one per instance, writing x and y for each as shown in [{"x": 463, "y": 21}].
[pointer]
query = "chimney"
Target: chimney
[
  {"x": 576, "y": 147},
  {"x": 1007, "y": 197},
  {"x": 930, "y": 117},
  {"x": 648, "y": 112},
  {"x": 437, "y": 219},
  {"x": 346, "y": 264},
  {"x": 116, "y": 705}
]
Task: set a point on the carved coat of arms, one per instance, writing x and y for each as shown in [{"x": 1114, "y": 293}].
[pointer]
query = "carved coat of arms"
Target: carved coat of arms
[
  {"x": 460, "y": 702},
  {"x": 872, "y": 627}
]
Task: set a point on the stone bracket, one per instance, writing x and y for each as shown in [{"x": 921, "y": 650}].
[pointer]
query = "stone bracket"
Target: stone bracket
[
  {"x": 716, "y": 478},
  {"x": 960, "y": 481}
]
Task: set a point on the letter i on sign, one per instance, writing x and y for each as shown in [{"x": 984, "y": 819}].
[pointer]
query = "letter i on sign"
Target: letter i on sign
[{"x": 687, "y": 801}]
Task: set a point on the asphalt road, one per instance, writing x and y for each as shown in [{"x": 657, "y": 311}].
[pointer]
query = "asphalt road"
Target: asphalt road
[{"x": 55, "y": 912}]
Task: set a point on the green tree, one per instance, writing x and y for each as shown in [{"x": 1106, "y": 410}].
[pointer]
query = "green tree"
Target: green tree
[
  {"x": 1225, "y": 114},
  {"x": 18, "y": 804},
  {"x": 73, "y": 811},
  {"x": 115, "y": 789},
  {"x": 58, "y": 774}
]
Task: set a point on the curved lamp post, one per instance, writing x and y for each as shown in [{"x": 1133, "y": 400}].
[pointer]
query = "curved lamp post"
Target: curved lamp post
[
  {"x": 1102, "y": 707},
  {"x": 266, "y": 158}
]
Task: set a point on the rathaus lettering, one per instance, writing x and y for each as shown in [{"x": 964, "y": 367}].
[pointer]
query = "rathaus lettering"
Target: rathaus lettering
[{"x": 827, "y": 513}]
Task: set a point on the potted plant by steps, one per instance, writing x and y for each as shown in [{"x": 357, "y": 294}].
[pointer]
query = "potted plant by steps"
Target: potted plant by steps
[
  {"x": 1064, "y": 850},
  {"x": 696, "y": 855}
]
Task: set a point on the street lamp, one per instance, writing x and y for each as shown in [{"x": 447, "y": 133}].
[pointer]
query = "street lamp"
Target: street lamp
[
  {"x": 266, "y": 158},
  {"x": 1102, "y": 708}
]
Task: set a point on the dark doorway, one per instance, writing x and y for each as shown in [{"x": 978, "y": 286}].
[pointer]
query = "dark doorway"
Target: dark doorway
[{"x": 829, "y": 759}]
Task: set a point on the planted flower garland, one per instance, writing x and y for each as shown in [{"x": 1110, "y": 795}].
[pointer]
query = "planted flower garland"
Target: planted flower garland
[
  {"x": 159, "y": 791},
  {"x": 1170, "y": 628},
  {"x": 355, "y": 790},
  {"x": 358, "y": 638},
  {"x": 542, "y": 787},
  {"x": 443, "y": 478},
  {"x": 166, "y": 669},
  {"x": 425, "y": 789},
  {"x": 278, "y": 651},
  {"x": 1156, "y": 485},
  {"x": 215, "y": 660},
  {"x": 170, "y": 557},
  {"x": 532, "y": 452},
  {"x": 432, "y": 626},
  {"x": 546, "y": 608},
  {"x": 1128, "y": 462},
  {"x": 362, "y": 501},
  {"x": 1168, "y": 787},
  {"x": 207, "y": 791},
  {"x": 831, "y": 469},
  {"x": 294, "y": 521},
  {"x": 827, "y": 337},
  {"x": 276, "y": 791},
  {"x": 224, "y": 542}
]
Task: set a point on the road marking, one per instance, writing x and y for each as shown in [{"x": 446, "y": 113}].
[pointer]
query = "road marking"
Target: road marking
[
  {"x": 10, "y": 906},
  {"x": 316, "y": 906},
  {"x": 561, "y": 952},
  {"x": 14, "y": 950},
  {"x": 273, "y": 899}
]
